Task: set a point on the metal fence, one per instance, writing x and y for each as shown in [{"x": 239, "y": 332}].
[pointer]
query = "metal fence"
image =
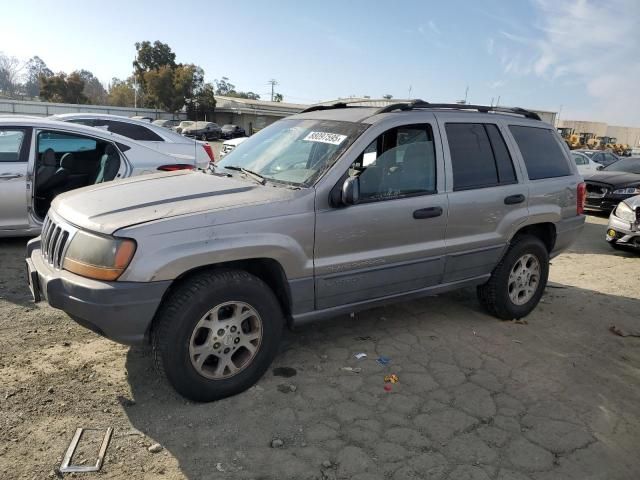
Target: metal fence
[{"x": 44, "y": 109}]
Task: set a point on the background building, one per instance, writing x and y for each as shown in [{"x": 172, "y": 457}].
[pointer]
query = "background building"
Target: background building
[{"x": 628, "y": 135}]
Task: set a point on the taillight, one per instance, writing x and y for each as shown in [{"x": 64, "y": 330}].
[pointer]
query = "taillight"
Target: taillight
[
  {"x": 176, "y": 166},
  {"x": 207, "y": 148},
  {"x": 581, "y": 196}
]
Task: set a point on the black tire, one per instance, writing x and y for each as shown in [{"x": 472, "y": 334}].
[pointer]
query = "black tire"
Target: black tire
[
  {"x": 494, "y": 295},
  {"x": 182, "y": 310},
  {"x": 203, "y": 137}
]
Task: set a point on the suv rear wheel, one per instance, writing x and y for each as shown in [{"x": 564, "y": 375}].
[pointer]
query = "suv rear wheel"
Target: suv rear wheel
[
  {"x": 216, "y": 334},
  {"x": 518, "y": 282}
]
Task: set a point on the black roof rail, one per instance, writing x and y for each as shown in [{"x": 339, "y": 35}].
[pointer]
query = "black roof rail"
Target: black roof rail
[
  {"x": 458, "y": 106},
  {"x": 315, "y": 108},
  {"x": 343, "y": 104}
]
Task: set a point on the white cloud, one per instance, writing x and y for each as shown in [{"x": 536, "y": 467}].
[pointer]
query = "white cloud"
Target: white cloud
[
  {"x": 434, "y": 28},
  {"x": 596, "y": 43},
  {"x": 497, "y": 84}
]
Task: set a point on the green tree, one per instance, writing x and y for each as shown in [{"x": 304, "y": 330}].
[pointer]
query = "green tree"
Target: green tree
[
  {"x": 121, "y": 93},
  {"x": 93, "y": 88},
  {"x": 63, "y": 88},
  {"x": 170, "y": 88},
  {"x": 388, "y": 96},
  {"x": 278, "y": 97},
  {"x": 35, "y": 68},
  {"x": 225, "y": 88},
  {"x": 203, "y": 104},
  {"x": 10, "y": 71},
  {"x": 151, "y": 57}
]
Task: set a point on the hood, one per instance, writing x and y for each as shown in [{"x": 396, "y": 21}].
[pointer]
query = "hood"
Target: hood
[
  {"x": 111, "y": 206},
  {"x": 613, "y": 178},
  {"x": 633, "y": 202}
]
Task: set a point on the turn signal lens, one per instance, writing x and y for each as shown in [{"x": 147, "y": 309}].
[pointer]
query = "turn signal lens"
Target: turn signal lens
[{"x": 99, "y": 257}]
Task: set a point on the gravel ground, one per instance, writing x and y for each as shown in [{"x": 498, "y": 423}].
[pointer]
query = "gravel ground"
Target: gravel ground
[{"x": 554, "y": 397}]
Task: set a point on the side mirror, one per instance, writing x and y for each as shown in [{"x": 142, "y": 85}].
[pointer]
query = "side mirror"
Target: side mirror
[
  {"x": 351, "y": 191},
  {"x": 600, "y": 167}
]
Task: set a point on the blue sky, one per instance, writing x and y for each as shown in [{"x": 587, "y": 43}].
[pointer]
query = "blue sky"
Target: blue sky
[{"x": 578, "y": 54}]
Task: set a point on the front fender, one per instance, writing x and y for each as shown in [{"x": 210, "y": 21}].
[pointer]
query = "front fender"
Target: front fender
[{"x": 167, "y": 255}]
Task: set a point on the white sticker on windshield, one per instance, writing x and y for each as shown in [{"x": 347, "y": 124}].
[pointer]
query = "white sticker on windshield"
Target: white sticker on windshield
[{"x": 325, "y": 137}]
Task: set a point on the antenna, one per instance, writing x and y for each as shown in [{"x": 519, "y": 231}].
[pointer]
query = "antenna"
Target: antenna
[{"x": 273, "y": 83}]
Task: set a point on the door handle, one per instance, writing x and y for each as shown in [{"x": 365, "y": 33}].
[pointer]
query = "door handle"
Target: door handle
[
  {"x": 430, "y": 212},
  {"x": 514, "y": 199},
  {"x": 9, "y": 176}
]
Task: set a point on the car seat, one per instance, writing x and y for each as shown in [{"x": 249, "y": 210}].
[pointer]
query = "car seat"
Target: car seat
[
  {"x": 49, "y": 176},
  {"x": 47, "y": 167},
  {"x": 416, "y": 172},
  {"x": 109, "y": 165}
]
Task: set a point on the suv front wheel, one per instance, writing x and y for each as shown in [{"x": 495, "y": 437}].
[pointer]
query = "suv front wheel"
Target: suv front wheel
[
  {"x": 216, "y": 334},
  {"x": 518, "y": 282}
]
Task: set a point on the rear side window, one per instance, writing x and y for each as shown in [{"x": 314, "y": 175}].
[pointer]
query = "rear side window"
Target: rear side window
[
  {"x": 542, "y": 154},
  {"x": 479, "y": 156},
  {"x": 130, "y": 130},
  {"x": 11, "y": 144}
]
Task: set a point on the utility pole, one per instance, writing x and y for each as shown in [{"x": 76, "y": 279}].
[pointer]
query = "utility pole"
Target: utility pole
[
  {"x": 410, "y": 88},
  {"x": 273, "y": 83}
]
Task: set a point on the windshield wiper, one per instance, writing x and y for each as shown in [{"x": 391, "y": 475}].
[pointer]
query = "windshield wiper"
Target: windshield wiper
[{"x": 256, "y": 176}]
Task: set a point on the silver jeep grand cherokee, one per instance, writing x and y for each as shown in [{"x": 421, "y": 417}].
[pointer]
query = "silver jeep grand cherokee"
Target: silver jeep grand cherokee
[{"x": 330, "y": 211}]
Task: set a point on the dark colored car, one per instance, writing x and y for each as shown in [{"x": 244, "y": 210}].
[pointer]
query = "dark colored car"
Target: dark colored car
[
  {"x": 232, "y": 131},
  {"x": 598, "y": 156},
  {"x": 613, "y": 184},
  {"x": 203, "y": 131}
]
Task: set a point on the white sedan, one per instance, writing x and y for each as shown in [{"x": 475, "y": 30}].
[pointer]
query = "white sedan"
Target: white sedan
[
  {"x": 585, "y": 164},
  {"x": 153, "y": 136},
  {"x": 42, "y": 158}
]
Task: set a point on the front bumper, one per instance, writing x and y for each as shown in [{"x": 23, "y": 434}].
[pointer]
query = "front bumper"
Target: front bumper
[
  {"x": 120, "y": 311},
  {"x": 604, "y": 204},
  {"x": 623, "y": 232}
]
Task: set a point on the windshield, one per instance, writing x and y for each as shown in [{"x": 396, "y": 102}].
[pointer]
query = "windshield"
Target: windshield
[
  {"x": 294, "y": 151},
  {"x": 228, "y": 127},
  {"x": 186, "y": 124},
  {"x": 629, "y": 165}
]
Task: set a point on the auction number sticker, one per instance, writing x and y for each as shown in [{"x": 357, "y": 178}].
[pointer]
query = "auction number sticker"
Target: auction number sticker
[{"x": 325, "y": 137}]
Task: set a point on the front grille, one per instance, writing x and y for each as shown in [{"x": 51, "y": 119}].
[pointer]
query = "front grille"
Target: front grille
[
  {"x": 53, "y": 241},
  {"x": 595, "y": 190}
]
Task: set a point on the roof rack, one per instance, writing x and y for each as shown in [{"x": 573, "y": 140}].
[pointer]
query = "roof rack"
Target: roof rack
[
  {"x": 421, "y": 104},
  {"x": 315, "y": 108},
  {"x": 341, "y": 104}
]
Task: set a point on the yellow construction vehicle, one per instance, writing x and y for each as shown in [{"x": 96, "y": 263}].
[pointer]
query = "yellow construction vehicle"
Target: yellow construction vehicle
[
  {"x": 571, "y": 138},
  {"x": 611, "y": 144},
  {"x": 587, "y": 140}
]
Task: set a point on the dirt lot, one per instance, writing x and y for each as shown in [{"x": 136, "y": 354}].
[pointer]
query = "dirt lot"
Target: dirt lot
[{"x": 553, "y": 398}]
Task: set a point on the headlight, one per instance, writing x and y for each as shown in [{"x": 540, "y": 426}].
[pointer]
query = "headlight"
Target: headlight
[
  {"x": 627, "y": 191},
  {"x": 625, "y": 212},
  {"x": 98, "y": 257}
]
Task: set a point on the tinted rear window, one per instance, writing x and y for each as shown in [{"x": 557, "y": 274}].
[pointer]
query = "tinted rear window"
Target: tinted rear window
[
  {"x": 479, "y": 156},
  {"x": 133, "y": 131},
  {"x": 542, "y": 154}
]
